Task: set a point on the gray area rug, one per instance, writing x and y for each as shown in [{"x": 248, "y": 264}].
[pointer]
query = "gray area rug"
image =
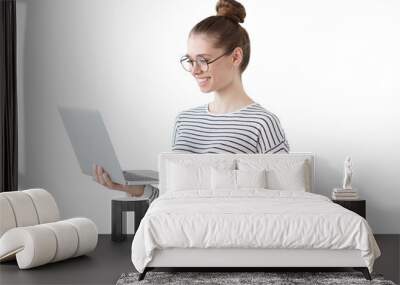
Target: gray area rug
[{"x": 229, "y": 278}]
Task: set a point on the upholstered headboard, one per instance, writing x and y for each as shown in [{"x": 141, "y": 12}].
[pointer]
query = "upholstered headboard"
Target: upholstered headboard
[{"x": 165, "y": 157}]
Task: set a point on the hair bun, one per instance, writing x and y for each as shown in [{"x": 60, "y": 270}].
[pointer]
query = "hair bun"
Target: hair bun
[{"x": 231, "y": 9}]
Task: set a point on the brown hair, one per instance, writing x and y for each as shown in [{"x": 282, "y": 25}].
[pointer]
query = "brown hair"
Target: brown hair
[{"x": 225, "y": 29}]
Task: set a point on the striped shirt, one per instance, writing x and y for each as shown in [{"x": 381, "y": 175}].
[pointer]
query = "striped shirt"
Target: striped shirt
[{"x": 251, "y": 129}]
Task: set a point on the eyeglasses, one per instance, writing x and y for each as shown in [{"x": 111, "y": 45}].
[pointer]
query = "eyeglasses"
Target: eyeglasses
[{"x": 187, "y": 62}]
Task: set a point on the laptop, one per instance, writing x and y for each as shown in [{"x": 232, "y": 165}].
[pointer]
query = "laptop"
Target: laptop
[{"x": 92, "y": 145}]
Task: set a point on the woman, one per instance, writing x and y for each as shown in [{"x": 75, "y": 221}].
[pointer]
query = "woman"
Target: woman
[{"x": 218, "y": 53}]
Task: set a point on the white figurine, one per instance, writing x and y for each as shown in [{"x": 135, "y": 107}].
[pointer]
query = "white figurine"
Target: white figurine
[{"x": 348, "y": 172}]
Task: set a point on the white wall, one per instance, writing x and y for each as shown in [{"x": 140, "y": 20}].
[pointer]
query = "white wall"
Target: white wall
[{"x": 329, "y": 70}]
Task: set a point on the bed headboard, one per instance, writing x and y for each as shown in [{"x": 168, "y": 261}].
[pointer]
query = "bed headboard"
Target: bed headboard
[{"x": 164, "y": 157}]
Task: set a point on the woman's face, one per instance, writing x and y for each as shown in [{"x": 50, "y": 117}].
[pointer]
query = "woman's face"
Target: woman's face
[{"x": 221, "y": 72}]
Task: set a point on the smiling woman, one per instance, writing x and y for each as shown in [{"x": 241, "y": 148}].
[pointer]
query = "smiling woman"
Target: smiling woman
[{"x": 218, "y": 53}]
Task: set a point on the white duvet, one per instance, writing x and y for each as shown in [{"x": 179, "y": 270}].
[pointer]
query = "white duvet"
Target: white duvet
[{"x": 251, "y": 218}]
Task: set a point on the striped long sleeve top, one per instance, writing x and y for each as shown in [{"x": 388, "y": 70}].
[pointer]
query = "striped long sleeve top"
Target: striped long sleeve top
[{"x": 251, "y": 129}]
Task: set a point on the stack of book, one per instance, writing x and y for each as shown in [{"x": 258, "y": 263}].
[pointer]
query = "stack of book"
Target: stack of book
[{"x": 344, "y": 194}]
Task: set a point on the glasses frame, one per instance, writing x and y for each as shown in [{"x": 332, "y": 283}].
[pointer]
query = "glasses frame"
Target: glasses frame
[{"x": 208, "y": 62}]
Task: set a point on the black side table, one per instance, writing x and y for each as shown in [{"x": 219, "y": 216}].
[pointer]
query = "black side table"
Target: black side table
[
  {"x": 121, "y": 205},
  {"x": 357, "y": 206}
]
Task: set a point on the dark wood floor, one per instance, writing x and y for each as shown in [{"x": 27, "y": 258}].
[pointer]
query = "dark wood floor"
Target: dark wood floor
[{"x": 111, "y": 259}]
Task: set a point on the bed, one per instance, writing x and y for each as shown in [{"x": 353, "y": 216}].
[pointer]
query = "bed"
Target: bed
[{"x": 247, "y": 210}]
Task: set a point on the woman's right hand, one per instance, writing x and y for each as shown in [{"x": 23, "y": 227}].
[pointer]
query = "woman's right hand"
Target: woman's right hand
[{"x": 103, "y": 178}]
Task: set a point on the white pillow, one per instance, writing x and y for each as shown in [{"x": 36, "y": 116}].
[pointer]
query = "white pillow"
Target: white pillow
[
  {"x": 282, "y": 174},
  {"x": 223, "y": 179},
  {"x": 188, "y": 174},
  {"x": 228, "y": 179},
  {"x": 256, "y": 178},
  {"x": 186, "y": 177},
  {"x": 288, "y": 177}
]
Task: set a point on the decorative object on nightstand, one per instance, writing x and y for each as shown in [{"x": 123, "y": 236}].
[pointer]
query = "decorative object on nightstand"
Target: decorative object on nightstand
[
  {"x": 121, "y": 205},
  {"x": 357, "y": 206},
  {"x": 348, "y": 173},
  {"x": 347, "y": 196},
  {"x": 346, "y": 192}
]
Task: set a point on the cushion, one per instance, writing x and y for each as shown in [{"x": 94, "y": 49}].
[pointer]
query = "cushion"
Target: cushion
[
  {"x": 7, "y": 220},
  {"x": 256, "y": 178},
  {"x": 282, "y": 174},
  {"x": 23, "y": 208},
  {"x": 45, "y": 205},
  {"x": 227, "y": 179},
  {"x": 223, "y": 179},
  {"x": 189, "y": 174},
  {"x": 67, "y": 239}
]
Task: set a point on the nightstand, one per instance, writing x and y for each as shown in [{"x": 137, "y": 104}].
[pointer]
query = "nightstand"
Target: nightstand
[
  {"x": 121, "y": 205},
  {"x": 357, "y": 206}
]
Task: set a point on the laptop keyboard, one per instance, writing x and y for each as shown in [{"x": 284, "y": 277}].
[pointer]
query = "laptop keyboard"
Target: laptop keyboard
[{"x": 134, "y": 177}]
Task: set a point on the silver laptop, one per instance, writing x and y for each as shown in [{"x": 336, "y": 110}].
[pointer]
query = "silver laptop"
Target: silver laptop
[{"x": 92, "y": 145}]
